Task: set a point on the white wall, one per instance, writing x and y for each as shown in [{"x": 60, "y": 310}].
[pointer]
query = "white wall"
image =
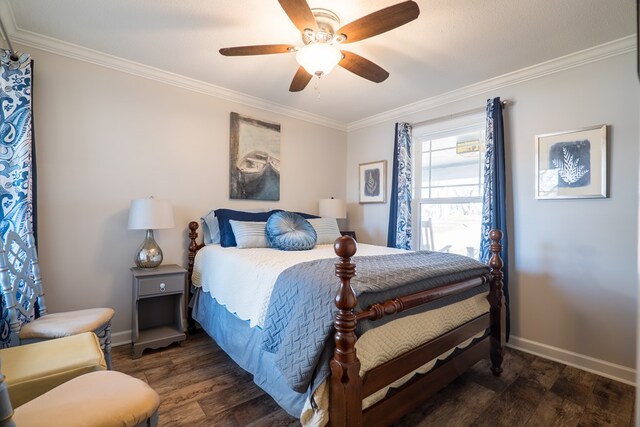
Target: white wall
[
  {"x": 105, "y": 137},
  {"x": 573, "y": 262}
]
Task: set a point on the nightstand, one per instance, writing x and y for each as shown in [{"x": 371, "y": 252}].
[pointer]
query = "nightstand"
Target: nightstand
[
  {"x": 349, "y": 233},
  {"x": 158, "y": 307}
]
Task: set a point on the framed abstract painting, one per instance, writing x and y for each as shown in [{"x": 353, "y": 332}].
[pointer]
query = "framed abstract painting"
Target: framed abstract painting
[
  {"x": 572, "y": 164},
  {"x": 373, "y": 185}
]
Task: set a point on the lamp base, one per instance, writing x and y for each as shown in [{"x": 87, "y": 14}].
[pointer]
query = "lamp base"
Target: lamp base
[{"x": 149, "y": 254}]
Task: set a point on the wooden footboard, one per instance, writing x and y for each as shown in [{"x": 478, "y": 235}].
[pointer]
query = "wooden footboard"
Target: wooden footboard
[{"x": 347, "y": 389}]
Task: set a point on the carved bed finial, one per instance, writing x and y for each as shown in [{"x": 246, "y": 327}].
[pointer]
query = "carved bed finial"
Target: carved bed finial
[
  {"x": 495, "y": 263},
  {"x": 345, "y": 246}
]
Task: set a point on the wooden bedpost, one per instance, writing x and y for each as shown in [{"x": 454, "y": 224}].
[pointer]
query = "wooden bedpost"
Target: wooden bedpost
[
  {"x": 496, "y": 300},
  {"x": 346, "y": 387},
  {"x": 193, "y": 249}
]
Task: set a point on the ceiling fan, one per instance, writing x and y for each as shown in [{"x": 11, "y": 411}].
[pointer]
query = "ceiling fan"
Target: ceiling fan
[{"x": 322, "y": 36}]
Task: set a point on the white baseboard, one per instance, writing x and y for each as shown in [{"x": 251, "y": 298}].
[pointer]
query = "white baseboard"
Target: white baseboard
[
  {"x": 121, "y": 338},
  {"x": 590, "y": 364}
]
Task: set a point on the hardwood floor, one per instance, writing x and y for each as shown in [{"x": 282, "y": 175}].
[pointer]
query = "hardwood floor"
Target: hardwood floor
[{"x": 200, "y": 386}]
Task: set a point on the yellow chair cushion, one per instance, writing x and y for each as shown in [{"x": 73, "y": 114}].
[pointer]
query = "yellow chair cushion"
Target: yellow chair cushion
[
  {"x": 57, "y": 325},
  {"x": 34, "y": 369},
  {"x": 98, "y": 399}
]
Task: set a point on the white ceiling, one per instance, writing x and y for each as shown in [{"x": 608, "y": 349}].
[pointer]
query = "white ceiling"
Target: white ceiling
[{"x": 453, "y": 43}]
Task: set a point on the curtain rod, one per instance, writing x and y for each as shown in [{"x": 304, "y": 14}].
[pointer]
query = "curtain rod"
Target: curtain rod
[
  {"x": 456, "y": 115},
  {"x": 13, "y": 56}
]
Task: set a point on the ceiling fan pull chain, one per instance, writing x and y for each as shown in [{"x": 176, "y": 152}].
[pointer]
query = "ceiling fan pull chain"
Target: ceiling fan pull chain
[{"x": 316, "y": 87}]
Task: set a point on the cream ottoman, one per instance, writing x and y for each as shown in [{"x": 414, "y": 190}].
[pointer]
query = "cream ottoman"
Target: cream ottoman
[
  {"x": 34, "y": 369},
  {"x": 97, "y": 399}
]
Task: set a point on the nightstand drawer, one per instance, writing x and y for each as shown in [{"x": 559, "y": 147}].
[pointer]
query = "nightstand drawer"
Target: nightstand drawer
[{"x": 161, "y": 285}]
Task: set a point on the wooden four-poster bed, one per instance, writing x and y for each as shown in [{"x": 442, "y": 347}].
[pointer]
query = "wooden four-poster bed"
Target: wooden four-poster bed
[{"x": 348, "y": 386}]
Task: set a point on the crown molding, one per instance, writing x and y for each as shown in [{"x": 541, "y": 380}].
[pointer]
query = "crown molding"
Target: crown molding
[
  {"x": 70, "y": 50},
  {"x": 59, "y": 47},
  {"x": 576, "y": 59}
]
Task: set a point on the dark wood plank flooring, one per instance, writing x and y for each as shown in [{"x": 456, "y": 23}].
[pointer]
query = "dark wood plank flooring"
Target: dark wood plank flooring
[{"x": 199, "y": 385}]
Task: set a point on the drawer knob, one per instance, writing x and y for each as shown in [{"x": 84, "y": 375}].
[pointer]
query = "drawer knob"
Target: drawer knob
[{"x": 163, "y": 287}]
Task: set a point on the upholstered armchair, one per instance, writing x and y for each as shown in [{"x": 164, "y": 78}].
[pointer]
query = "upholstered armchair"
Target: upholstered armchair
[
  {"x": 22, "y": 287},
  {"x": 63, "y": 382}
]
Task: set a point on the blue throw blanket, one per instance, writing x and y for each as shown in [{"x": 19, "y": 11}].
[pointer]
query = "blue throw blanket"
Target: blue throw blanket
[{"x": 300, "y": 316}]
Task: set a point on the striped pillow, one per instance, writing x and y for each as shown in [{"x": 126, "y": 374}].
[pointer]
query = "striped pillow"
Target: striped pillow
[
  {"x": 326, "y": 229},
  {"x": 250, "y": 234}
]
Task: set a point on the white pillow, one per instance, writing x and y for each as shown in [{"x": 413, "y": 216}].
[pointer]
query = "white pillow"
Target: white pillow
[
  {"x": 326, "y": 229},
  {"x": 250, "y": 234},
  {"x": 210, "y": 229}
]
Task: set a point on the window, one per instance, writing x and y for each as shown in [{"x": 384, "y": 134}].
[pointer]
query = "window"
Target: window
[{"x": 449, "y": 185}]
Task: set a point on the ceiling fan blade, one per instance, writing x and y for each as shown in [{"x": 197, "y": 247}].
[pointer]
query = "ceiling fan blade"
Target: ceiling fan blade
[
  {"x": 300, "y": 80},
  {"x": 256, "y": 50},
  {"x": 381, "y": 21},
  {"x": 300, "y": 14},
  {"x": 363, "y": 67}
]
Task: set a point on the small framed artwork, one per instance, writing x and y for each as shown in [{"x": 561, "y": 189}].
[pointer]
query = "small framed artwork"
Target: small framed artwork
[
  {"x": 373, "y": 178},
  {"x": 572, "y": 164}
]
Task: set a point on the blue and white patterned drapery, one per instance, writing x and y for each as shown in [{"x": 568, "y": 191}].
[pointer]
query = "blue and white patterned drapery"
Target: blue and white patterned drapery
[
  {"x": 494, "y": 206},
  {"x": 16, "y": 132},
  {"x": 17, "y": 156},
  {"x": 400, "y": 228}
]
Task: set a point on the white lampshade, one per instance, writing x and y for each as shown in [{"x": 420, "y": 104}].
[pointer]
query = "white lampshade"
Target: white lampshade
[
  {"x": 150, "y": 214},
  {"x": 332, "y": 208},
  {"x": 318, "y": 58}
]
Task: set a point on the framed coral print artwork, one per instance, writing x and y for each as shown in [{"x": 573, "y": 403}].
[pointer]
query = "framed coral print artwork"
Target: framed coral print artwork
[
  {"x": 373, "y": 186},
  {"x": 572, "y": 164}
]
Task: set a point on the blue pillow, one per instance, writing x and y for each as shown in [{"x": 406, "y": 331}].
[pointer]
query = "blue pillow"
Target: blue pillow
[
  {"x": 306, "y": 215},
  {"x": 289, "y": 231},
  {"x": 227, "y": 239}
]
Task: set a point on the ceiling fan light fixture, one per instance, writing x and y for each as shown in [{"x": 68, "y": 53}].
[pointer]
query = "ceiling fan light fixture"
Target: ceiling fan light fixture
[{"x": 318, "y": 58}]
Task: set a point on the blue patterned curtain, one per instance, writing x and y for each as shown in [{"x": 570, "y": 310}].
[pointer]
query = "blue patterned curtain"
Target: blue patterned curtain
[
  {"x": 17, "y": 155},
  {"x": 400, "y": 231},
  {"x": 494, "y": 205},
  {"x": 16, "y": 132}
]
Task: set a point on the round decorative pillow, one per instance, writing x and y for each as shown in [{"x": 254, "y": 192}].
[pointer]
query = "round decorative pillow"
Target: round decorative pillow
[{"x": 289, "y": 231}]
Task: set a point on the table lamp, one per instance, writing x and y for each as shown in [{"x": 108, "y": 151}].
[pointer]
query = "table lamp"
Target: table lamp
[
  {"x": 150, "y": 214},
  {"x": 332, "y": 208}
]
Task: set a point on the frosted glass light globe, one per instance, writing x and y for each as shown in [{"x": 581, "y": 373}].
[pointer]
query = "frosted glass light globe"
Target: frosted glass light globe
[{"x": 318, "y": 58}]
